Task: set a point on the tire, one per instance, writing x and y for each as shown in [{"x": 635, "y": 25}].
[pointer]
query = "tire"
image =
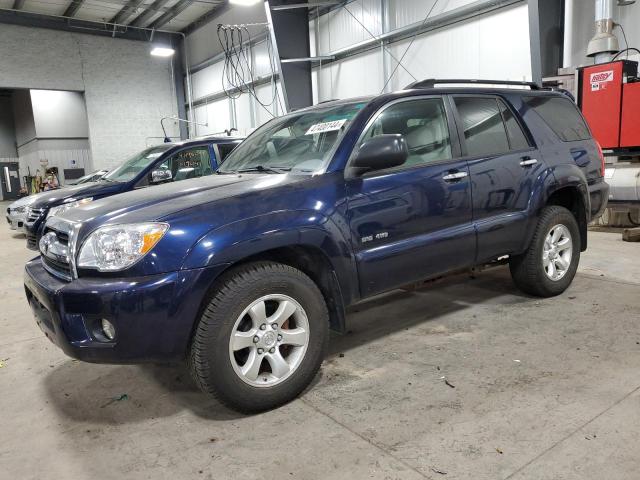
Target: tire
[
  {"x": 528, "y": 270},
  {"x": 238, "y": 305}
]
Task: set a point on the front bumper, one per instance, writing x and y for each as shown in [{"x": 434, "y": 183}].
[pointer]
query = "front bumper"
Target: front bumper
[
  {"x": 16, "y": 221},
  {"x": 153, "y": 315}
]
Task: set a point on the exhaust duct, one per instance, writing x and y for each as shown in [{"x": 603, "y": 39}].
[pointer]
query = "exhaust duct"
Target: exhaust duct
[{"x": 604, "y": 43}]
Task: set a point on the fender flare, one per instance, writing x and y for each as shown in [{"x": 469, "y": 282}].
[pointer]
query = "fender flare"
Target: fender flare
[
  {"x": 234, "y": 242},
  {"x": 555, "y": 179}
]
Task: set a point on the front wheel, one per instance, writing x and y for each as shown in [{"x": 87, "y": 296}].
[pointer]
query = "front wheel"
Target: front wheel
[
  {"x": 261, "y": 338},
  {"x": 548, "y": 266}
]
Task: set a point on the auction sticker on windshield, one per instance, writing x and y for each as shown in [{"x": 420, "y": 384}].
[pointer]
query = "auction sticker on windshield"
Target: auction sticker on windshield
[{"x": 326, "y": 127}]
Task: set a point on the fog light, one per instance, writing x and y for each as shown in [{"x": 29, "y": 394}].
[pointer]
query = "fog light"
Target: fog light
[{"x": 108, "y": 329}]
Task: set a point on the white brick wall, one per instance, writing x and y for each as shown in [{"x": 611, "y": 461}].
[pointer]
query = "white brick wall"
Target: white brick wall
[{"x": 127, "y": 91}]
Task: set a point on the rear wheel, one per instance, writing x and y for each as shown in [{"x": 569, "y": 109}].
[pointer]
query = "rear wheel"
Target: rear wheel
[
  {"x": 262, "y": 337},
  {"x": 548, "y": 266}
]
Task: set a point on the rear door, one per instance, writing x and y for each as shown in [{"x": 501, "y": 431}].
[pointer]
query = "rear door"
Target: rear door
[
  {"x": 503, "y": 164},
  {"x": 413, "y": 221}
]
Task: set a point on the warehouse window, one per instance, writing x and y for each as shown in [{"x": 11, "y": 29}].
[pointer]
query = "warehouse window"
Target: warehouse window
[
  {"x": 562, "y": 115},
  {"x": 484, "y": 130},
  {"x": 423, "y": 123}
]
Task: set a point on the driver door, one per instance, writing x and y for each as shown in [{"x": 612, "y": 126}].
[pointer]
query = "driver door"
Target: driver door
[
  {"x": 187, "y": 163},
  {"x": 414, "y": 221}
]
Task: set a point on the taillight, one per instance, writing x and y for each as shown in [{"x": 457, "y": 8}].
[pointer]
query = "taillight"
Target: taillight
[{"x": 601, "y": 158}]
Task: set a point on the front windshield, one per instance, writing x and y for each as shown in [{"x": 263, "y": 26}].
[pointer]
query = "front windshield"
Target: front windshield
[
  {"x": 301, "y": 142},
  {"x": 131, "y": 168}
]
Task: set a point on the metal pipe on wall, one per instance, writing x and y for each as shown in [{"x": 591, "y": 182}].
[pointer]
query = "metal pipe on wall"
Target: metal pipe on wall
[
  {"x": 567, "y": 48},
  {"x": 604, "y": 43}
]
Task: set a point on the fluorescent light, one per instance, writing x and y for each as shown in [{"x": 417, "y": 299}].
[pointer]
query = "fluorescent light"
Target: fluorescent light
[
  {"x": 162, "y": 51},
  {"x": 244, "y": 3}
]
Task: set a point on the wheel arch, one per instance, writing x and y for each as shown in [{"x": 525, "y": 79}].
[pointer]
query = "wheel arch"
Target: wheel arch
[
  {"x": 314, "y": 263},
  {"x": 573, "y": 199},
  {"x": 316, "y": 248}
]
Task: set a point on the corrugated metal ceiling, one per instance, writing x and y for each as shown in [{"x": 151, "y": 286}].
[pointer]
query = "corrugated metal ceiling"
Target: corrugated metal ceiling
[{"x": 174, "y": 15}]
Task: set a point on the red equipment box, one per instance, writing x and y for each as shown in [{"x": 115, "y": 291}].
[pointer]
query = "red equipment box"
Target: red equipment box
[
  {"x": 603, "y": 95},
  {"x": 630, "y": 128}
]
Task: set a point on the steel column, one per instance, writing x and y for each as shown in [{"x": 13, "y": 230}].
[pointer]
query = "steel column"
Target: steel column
[
  {"x": 546, "y": 36},
  {"x": 290, "y": 35}
]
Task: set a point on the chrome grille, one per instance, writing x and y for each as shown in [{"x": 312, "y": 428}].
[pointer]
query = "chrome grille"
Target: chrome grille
[
  {"x": 54, "y": 251},
  {"x": 35, "y": 214}
]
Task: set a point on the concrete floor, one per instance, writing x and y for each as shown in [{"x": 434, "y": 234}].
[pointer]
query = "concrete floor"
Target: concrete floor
[{"x": 544, "y": 389}]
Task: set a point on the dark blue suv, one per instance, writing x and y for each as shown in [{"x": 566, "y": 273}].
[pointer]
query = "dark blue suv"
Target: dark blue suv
[
  {"x": 168, "y": 162},
  {"x": 243, "y": 273}
]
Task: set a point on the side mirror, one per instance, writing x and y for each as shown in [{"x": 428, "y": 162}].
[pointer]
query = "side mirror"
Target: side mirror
[
  {"x": 380, "y": 152},
  {"x": 159, "y": 176}
]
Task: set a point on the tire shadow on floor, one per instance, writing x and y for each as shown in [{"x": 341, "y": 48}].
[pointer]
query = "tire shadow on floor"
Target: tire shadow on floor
[
  {"x": 405, "y": 309},
  {"x": 117, "y": 394}
]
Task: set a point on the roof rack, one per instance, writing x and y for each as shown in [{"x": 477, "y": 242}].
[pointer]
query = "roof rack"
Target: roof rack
[{"x": 432, "y": 82}]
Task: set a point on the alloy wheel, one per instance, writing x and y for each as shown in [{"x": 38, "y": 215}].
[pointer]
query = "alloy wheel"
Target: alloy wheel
[
  {"x": 269, "y": 340},
  {"x": 557, "y": 252}
]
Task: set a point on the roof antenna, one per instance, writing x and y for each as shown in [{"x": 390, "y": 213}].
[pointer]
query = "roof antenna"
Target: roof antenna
[{"x": 177, "y": 119}]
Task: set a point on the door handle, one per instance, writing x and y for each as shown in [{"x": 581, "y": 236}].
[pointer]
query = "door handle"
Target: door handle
[
  {"x": 527, "y": 162},
  {"x": 454, "y": 176}
]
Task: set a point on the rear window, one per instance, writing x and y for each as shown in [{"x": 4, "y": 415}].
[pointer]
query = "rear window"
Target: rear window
[
  {"x": 225, "y": 149},
  {"x": 483, "y": 127},
  {"x": 562, "y": 115},
  {"x": 517, "y": 138}
]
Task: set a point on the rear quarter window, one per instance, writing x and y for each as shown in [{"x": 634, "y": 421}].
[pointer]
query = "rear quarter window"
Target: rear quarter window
[{"x": 562, "y": 116}]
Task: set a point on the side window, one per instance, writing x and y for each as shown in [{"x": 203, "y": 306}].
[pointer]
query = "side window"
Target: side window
[
  {"x": 189, "y": 163},
  {"x": 423, "y": 123},
  {"x": 562, "y": 115},
  {"x": 517, "y": 138},
  {"x": 484, "y": 130},
  {"x": 225, "y": 149}
]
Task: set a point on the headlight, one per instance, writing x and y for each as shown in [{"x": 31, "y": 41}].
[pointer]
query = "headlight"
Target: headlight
[
  {"x": 66, "y": 206},
  {"x": 19, "y": 209},
  {"x": 116, "y": 247}
]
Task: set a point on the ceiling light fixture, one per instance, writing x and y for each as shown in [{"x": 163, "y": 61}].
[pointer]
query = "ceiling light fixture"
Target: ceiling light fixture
[{"x": 162, "y": 51}]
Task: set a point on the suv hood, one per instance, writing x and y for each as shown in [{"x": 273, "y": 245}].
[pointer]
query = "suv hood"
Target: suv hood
[
  {"x": 26, "y": 201},
  {"x": 159, "y": 202},
  {"x": 75, "y": 192}
]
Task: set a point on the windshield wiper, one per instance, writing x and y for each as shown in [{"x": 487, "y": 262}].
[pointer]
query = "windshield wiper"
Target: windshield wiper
[{"x": 262, "y": 168}]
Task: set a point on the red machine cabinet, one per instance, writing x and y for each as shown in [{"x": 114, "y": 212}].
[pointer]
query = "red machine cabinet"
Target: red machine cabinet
[
  {"x": 601, "y": 98},
  {"x": 630, "y": 127}
]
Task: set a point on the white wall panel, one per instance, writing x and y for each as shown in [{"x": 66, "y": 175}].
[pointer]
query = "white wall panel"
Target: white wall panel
[
  {"x": 406, "y": 12},
  {"x": 261, "y": 61},
  {"x": 244, "y": 115},
  {"x": 265, "y": 94},
  {"x": 504, "y": 45},
  {"x": 338, "y": 29},
  {"x": 216, "y": 114},
  {"x": 207, "y": 81},
  {"x": 352, "y": 77},
  {"x": 492, "y": 46}
]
